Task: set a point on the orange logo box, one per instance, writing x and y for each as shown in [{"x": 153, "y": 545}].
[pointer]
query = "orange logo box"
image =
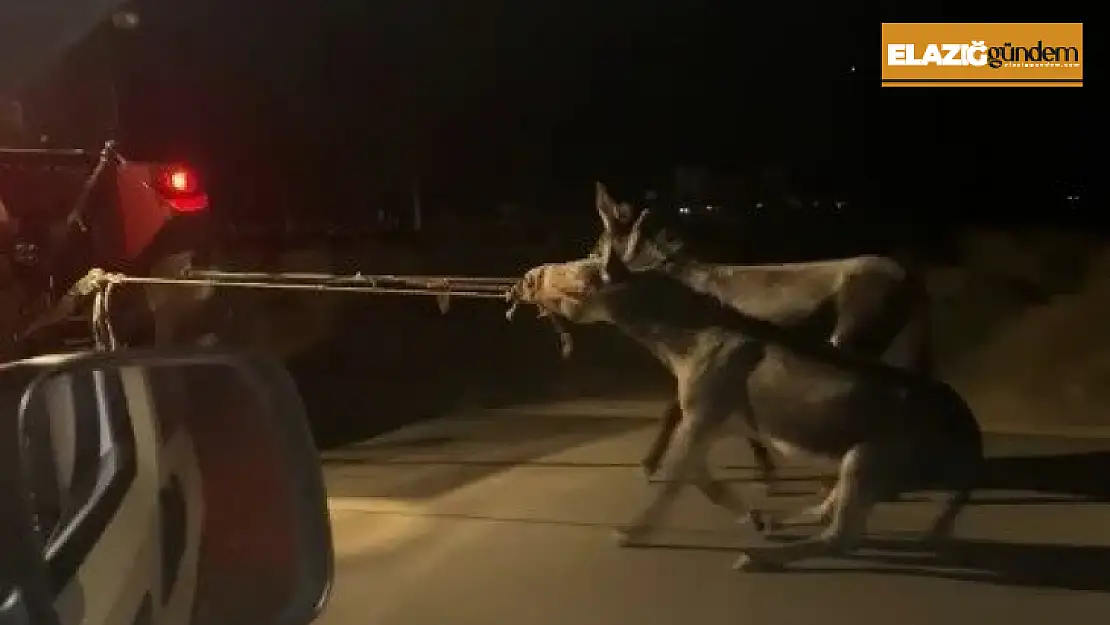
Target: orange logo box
[{"x": 982, "y": 55}]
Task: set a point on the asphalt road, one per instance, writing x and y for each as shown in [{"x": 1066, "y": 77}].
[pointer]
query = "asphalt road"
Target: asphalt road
[{"x": 504, "y": 517}]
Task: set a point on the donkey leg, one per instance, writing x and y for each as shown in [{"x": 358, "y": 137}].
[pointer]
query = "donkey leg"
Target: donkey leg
[
  {"x": 849, "y": 334},
  {"x": 886, "y": 321},
  {"x": 963, "y": 465},
  {"x": 827, "y": 485},
  {"x": 719, "y": 494},
  {"x": 817, "y": 514},
  {"x": 743, "y": 425},
  {"x": 871, "y": 312},
  {"x": 765, "y": 465},
  {"x": 690, "y": 445},
  {"x": 671, "y": 417},
  {"x": 864, "y": 474}
]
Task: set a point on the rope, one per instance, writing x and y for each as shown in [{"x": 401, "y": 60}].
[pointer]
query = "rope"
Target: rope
[
  {"x": 100, "y": 285},
  {"x": 104, "y": 335}
]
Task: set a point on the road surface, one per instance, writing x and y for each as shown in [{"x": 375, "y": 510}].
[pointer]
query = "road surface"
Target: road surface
[{"x": 504, "y": 517}]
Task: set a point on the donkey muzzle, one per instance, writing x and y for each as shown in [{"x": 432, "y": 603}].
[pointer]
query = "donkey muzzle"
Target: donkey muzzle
[{"x": 523, "y": 291}]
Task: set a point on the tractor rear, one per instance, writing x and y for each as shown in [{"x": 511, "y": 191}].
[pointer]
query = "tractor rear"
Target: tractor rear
[
  {"x": 72, "y": 200},
  {"x": 66, "y": 211}
]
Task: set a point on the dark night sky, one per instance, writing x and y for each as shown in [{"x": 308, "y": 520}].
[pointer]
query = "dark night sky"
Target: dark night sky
[{"x": 531, "y": 95}]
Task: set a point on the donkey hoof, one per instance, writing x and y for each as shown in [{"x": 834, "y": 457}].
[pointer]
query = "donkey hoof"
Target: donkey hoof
[
  {"x": 743, "y": 563},
  {"x": 764, "y": 523},
  {"x": 761, "y": 521},
  {"x": 649, "y": 470},
  {"x": 629, "y": 536},
  {"x": 749, "y": 562}
]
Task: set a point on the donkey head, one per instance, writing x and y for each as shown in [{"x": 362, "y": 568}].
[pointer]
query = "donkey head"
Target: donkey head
[
  {"x": 574, "y": 290},
  {"x": 623, "y": 232}
]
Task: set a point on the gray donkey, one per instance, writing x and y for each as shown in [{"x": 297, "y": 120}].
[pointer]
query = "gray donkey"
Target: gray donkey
[
  {"x": 885, "y": 429},
  {"x": 871, "y": 305}
]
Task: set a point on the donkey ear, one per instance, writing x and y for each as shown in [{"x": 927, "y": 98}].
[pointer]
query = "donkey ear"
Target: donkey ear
[
  {"x": 636, "y": 231},
  {"x": 638, "y": 224},
  {"x": 614, "y": 269},
  {"x": 606, "y": 207}
]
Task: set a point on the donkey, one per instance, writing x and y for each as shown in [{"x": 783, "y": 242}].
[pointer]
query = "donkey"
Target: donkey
[
  {"x": 870, "y": 305},
  {"x": 887, "y": 430}
]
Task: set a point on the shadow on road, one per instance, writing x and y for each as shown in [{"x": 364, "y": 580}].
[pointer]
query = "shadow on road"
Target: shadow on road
[
  {"x": 1063, "y": 477},
  {"x": 1065, "y": 567},
  {"x": 1071, "y": 478},
  {"x": 1085, "y": 475},
  {"x": 1036, "y": 565},
  {"x": 469, "y": 454}
]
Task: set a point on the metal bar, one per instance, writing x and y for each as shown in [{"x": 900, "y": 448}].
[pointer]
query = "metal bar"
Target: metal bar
[
  {"x": 320, "y": 288},
  {"x": 49, "y": 151},
  {"x": 469, "y": 281}
]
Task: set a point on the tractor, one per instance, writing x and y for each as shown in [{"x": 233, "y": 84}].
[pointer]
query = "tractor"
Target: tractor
[{"x": 71, "y": 198}]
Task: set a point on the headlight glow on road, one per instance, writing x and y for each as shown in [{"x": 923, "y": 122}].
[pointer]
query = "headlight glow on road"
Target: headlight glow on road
[{"x": 371, "y": 525}]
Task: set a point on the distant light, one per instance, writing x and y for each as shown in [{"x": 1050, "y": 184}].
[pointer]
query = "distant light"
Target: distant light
[
  {"x": 685, "y": 210},
  {"x": 710, "y": 207},
  {"x": 841, "y": 204},
  {"x": 852, "y": 69},
  {"x": 759, "y": 205}
]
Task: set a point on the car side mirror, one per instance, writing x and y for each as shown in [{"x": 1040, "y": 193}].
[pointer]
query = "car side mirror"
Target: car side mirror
[{"x": 169, "y": 486}]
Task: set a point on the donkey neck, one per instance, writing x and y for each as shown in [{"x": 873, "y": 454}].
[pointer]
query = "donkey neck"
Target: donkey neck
[
  {"x": 674, "y": 322},
  {"x": 699, "y": 276},
  {"x": 673, "y": 347}
]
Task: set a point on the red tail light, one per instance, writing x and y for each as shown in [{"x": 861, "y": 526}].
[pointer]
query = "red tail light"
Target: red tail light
[{"x": 180, "y": 187}]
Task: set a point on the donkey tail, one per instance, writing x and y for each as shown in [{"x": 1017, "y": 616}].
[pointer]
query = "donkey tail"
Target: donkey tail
[{"x": 965, "y": 462}]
